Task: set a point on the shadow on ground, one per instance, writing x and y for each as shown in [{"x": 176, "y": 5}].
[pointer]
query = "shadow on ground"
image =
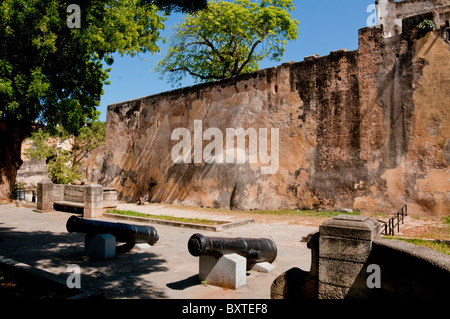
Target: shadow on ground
[
  {"x": 120, "y": 277},
  {"x": 184, "y": 283}
]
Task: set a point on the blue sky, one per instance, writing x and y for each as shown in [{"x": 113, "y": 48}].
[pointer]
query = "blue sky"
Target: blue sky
[{"x": 325, "y": 25}]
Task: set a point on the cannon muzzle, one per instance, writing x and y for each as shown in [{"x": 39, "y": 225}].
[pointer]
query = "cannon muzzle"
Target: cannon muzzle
[
  {"x": 254, "y": 249},
  {"x": 130, "y": 234}
]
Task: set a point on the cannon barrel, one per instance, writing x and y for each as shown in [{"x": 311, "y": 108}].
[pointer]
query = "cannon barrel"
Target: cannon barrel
[
  {"x": 254, "y": 249},
  {"x": 130, "y": 234}
]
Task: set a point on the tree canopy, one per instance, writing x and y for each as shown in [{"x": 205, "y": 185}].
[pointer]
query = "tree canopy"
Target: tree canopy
[
  {"x": 51, "y": 74},
  {"x": 54, "y": 74},
  {"x": 228, "y": 38}
]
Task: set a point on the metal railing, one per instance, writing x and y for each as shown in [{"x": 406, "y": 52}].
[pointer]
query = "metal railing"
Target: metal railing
[{"x": 389, "y": 227}]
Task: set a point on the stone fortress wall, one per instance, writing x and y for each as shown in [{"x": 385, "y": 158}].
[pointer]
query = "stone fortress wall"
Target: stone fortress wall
[{"x": 367, "y": 129}]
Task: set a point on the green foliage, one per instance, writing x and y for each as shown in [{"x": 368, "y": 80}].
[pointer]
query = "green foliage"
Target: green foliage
[
  {"x": 19, "y": 186},
  {"x": 90, "y": 137},
  {"x": 228, "y": 38},
  {"x": 53, "y": 74},
  {"x": 446, "y": 220},
  {"x": 438, "y": 245},
  {"x": 64, "y": 152},
  {"x": 41, "y": 148},
  {"x": 426, "y": 25},
  {"x": 60, "y": 170}
]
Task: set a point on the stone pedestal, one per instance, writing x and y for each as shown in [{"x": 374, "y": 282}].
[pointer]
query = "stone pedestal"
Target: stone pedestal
[
  {"x": 93, "y": 201},
  {"x": 45, "y": 197},
  {"x": 102, "y": 246},
  {"x": 345, "y": 243},
  {"x": 228, "y": 271},
  {"x": 263, "y": 267}
]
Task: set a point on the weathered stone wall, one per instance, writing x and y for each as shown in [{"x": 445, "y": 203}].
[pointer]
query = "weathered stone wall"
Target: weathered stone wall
[
  {"x": 366, "y": 129},
  {"x": 390, "y": 13},
  {"x": 32, "y": 172}
]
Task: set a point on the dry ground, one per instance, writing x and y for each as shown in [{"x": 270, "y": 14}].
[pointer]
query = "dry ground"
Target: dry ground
[{"x": 429, "y": 227}]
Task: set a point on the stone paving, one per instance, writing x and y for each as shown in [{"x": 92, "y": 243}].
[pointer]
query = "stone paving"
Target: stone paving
[{"x": 165, "y": 270}]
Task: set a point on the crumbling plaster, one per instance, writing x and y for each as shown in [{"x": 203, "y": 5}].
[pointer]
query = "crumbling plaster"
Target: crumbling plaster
[{"x": 365, "y": 129}]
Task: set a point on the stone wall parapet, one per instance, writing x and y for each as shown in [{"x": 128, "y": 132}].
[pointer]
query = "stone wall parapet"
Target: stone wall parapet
[{"x": 93, "y": 198}]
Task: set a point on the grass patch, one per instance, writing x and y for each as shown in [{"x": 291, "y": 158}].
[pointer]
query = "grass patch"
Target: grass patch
[
  {"x": 440, "y": 246},
  {"x": 305, "y": 213},
  {"x": 166, "y": 217},
  {"x": 279, "y": 212},
  {"x": 446, "y": 220}
]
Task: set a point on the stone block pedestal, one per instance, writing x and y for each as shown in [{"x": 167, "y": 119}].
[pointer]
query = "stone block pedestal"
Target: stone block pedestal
[
  {"x": 101, "y": 246},
  {"x": 45, "y": 197},
  {"x": 345, "y": 243},
  {"x": 93, "y": 201},
  {"x": 228, "y": 271}
]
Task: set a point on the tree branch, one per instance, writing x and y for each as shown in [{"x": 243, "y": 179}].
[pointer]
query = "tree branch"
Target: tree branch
[
  {"x": 209, "y": 44},
  {"x": 249, "y": 56},
  {"x": 203, "y": 77}
]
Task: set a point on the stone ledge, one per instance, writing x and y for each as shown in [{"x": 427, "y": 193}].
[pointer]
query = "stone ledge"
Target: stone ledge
[
  {"x": 225, "y": 225},
  {"x": 428, "y": 255},
  {"x": 351, "y": 226}
]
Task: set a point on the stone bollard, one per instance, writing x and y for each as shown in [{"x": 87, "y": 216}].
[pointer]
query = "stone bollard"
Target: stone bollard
[
  {"x": 227, "y": 271},
  {"x": 345, "y": 243},
  {"x": 93, "y": 201},
  {"x": 45, "y": 197}
]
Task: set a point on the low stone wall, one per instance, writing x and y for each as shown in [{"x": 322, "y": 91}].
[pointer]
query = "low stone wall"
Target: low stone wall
[
  {"x": 410, "y": 271},
  {"x": 351, "y": 261},
  {"x": 93, "y": 198},
  {"x": 74, "y": 193},
  {"x": 58, "y": 192},
  {"x": 109, "y": 197}
]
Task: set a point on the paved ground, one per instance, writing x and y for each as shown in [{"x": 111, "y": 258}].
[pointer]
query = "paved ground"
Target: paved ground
[{"x": 165, "y": 270}]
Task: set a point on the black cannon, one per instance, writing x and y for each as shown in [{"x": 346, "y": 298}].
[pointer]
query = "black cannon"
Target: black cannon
[
  {"x": 129, "y": 234},
  {"x": 256, "y": 250}
]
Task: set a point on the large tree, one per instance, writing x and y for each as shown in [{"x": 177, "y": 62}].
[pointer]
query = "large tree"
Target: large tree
[
  {"x": 227, "y": 39},
  {"x": 52, "y": 74}
]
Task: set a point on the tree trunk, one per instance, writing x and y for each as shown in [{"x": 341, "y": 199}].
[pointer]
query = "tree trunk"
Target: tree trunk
[{"x": 10, "y": 158}]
